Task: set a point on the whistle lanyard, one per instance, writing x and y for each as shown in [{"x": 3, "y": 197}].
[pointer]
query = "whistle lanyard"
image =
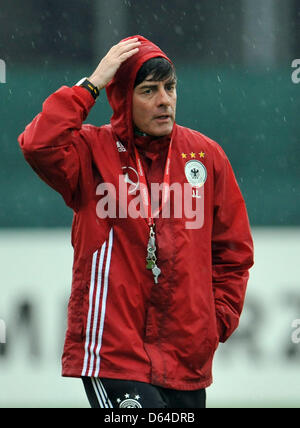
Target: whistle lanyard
[
  {"x": 145, "y": 195},
  {"x": 147, "y": 208}
]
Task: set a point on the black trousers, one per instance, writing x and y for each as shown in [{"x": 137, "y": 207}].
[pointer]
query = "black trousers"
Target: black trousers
[{"x": 114, "y": 393}]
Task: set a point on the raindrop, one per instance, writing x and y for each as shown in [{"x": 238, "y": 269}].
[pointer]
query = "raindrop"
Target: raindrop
[{"x": 178, "y": 30}]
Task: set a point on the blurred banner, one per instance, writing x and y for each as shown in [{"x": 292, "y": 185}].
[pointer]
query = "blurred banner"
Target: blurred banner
[{"x": 257, "y": 367}]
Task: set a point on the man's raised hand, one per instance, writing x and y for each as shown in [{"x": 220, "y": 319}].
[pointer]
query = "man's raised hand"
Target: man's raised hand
[{"x": 109, "y": 64}]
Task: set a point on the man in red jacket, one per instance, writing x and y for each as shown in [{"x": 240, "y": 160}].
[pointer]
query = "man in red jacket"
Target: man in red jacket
[{"x": 161, "y": 237}]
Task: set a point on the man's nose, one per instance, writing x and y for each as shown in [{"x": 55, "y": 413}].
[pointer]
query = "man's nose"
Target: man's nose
[{"x": 163, "y": 97}]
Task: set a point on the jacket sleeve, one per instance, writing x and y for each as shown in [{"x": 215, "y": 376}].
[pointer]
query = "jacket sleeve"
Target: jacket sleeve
[
  {"x": 53, "y": 142},
  {"x": 232, "y": 249}
]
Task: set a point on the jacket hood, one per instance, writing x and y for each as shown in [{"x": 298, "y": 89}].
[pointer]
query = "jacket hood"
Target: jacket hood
[{"x": 120, "y": 89}]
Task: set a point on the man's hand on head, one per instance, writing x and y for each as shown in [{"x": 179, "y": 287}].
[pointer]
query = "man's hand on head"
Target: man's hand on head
[{"x": 109, "y": 64}]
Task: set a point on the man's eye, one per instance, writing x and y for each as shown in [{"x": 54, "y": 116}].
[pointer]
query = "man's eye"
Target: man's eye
[
  {"x": 170, "y": 87},
  {"x": 148, "y": 91}
]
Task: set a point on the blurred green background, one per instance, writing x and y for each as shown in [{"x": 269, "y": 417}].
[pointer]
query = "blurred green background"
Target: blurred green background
[
  {"x": 233, "y": 61},
  {"x": 254, "y": 116}
]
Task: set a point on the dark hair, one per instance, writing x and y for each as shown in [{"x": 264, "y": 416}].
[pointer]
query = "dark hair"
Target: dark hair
[{"x": 158, "y": 68}]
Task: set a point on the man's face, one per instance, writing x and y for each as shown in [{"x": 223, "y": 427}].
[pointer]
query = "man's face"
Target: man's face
[{"x": 154, "y": 106}]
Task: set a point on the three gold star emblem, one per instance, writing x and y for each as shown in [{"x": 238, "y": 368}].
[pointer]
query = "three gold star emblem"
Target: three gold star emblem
[{"x": 192, "y": 155}]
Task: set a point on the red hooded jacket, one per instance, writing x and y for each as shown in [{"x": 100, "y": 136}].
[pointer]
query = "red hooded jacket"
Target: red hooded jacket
[{"x": 120, "y": 323}]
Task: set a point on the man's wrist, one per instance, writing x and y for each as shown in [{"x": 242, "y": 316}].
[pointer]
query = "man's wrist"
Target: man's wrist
[
  {"x": 96, "y": 82},
  {"x": 89, "y": 86}
]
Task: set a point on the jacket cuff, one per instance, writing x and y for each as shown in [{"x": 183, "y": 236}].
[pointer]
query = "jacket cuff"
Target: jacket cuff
[{"x": 85, "y": 96}]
